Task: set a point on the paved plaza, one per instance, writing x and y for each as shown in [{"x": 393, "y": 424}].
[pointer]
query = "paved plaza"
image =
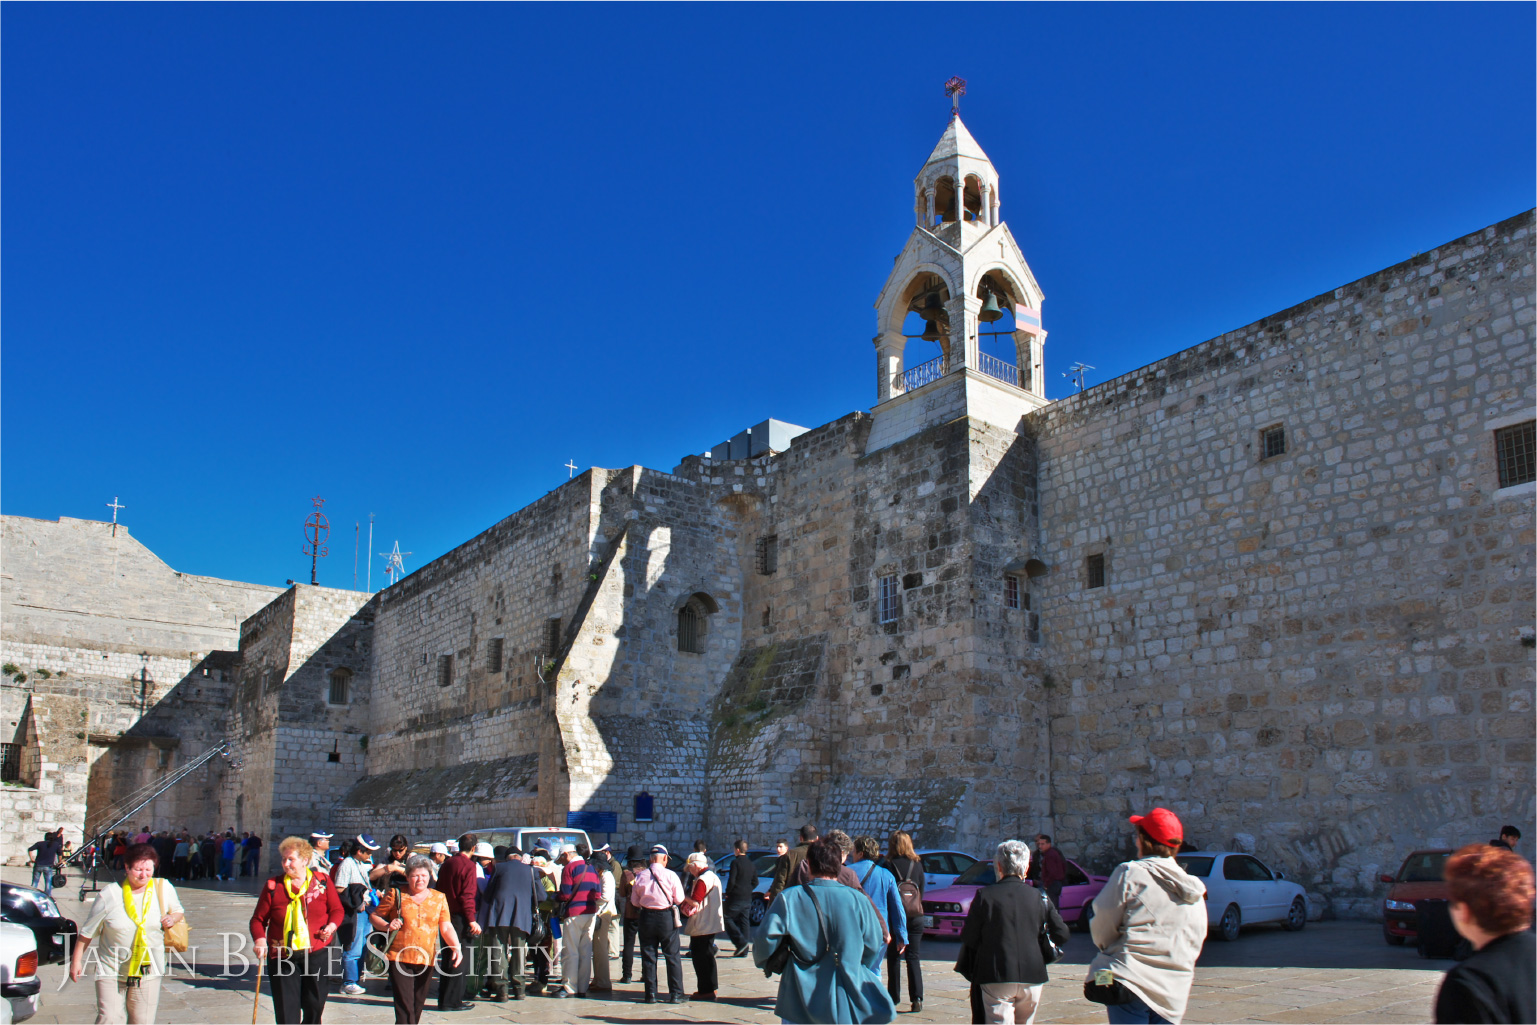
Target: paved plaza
[{"x": 1330, "y": 972}]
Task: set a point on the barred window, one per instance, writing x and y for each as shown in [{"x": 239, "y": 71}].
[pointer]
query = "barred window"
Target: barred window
[
  {"x": 688, "y": 630},
  {"x": 10, "y": 763},
  {"x": 552, "y": 636},
  {"x": 1272, "y": 442},
  {"x": 445, "y": 670},
  {"x": 494, "y": 655},
  {"x": 889, "y": 606},
  {"x": 1010, "y": 591},
  {"x": 768, "y": 554},
  {"x": 1516, "y": 450},
  {"x": 1094, "y": 568},
  {"x": 341, "y": 686}
]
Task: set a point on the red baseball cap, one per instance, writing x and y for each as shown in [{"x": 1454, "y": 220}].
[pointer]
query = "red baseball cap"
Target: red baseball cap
[{"x": 1162, "y": 825}]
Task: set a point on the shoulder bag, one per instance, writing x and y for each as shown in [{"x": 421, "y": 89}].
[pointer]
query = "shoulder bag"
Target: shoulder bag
[
  {"x": 177, "y": 936},
  {"x": 780, "y": 959},
  {"x": 1050, "y": 952}
]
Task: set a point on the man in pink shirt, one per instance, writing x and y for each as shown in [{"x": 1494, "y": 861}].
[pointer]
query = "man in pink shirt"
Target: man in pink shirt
[{"x": 656, "y": 894}]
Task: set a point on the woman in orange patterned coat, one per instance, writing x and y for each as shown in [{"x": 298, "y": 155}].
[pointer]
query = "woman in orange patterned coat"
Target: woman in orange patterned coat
[{"x": 415, "y": 919}]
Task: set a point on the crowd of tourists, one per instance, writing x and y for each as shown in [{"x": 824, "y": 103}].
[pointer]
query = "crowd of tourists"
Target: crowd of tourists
[
  {"x": 185, "y": 855},
  {"x": 498, "y": 923}
]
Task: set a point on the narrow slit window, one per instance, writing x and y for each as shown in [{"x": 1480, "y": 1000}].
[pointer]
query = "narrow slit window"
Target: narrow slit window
[
  {"x": 1516, "y": 450},
  {"x": 688, "y": 630},
  {"x": 889, "y": 600},
  {"x": 445, "y": 670},
  {"x": 1010, "y": 591},
  {"x": 768, "y": 554},
  {"x": 1094, "y": 567},
  {"x": 1272, "y": 442},
  {"x": 341, "y": 686},
  {"x": 494, "y": 655}
]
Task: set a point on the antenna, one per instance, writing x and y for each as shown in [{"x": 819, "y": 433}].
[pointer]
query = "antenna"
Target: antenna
[
  {"x": 1076, "y": 372},
  {"x": 370, "y": 575}
]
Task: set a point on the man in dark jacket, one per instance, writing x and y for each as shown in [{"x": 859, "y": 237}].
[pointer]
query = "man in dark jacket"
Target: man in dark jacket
[
  {"x": 457, "y": 881},
  {"x": 741, "y": 881},
  {"x": 1000, "y": 942},
  {"x": 787, "y": 872},
  {"x": 1053, "y": 869},
  {"x": 506, "y": 916}
]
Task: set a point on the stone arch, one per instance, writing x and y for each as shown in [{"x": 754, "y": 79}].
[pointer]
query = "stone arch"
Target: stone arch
[{"x": 971, "y": 198}]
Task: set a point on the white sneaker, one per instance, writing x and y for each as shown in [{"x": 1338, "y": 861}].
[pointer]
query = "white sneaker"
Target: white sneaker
[{"x": 352, "y": 989}]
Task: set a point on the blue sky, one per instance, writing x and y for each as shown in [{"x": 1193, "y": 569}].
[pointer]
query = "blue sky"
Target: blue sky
[{"x": 414, "y": 258}]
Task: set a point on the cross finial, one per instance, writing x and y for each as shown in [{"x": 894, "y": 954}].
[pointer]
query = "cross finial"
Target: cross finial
[
  {"x": 114, "y": 507},
  {"x": 955, "y": 88},
  {"x": 571, "y": 467}
]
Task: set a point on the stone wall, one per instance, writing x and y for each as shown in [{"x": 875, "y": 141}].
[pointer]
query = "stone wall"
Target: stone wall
[{"x": 1316, "y": 655}]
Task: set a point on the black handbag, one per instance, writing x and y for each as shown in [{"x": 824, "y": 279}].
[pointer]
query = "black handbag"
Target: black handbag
[
  {"x": 1115, "y": 993},
  {"x": 780, "y": 959},
  {"x": 538, "y": 931},
  {"x": 1050, "y": 952}
]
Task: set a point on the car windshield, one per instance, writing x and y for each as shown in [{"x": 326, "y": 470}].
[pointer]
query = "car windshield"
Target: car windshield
[
  {"x": 766, "y": 864},
  {"x": 550, "y": 839},
  {"x": 980, "y": 874},
  {"x": 1196, "y": 866},
  {"x": 1424, "y": 868}
]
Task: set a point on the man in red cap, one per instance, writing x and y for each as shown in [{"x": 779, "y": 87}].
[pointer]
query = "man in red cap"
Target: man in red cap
[{"x": 1149, "y": 923}]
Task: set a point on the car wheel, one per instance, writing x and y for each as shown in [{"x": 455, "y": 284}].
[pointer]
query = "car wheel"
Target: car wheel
[
  {"x": 1085, "y": 917},
  {"x": 1393, "y": 941},
  {"x": 757, "y": 911},
  {"x": 1232, "y": 922},
  {"x": 1297, "y": 917}
]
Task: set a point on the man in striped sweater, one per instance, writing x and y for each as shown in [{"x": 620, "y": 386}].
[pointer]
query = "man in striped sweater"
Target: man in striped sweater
[{"x": 581, "y": 894}]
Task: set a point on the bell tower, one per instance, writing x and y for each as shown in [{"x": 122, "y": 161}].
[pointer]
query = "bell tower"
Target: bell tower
[{"x": 960, "y": 316}]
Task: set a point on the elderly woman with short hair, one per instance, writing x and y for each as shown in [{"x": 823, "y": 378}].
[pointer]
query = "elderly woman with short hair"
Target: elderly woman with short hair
[
  {"x": 1000, "y": 942},
  {"x": 415, "y": 919},
  {"x": 1491, "y": 896},
  {"x": 128, "y": 923},
  {"x": 296, "y": 918}
]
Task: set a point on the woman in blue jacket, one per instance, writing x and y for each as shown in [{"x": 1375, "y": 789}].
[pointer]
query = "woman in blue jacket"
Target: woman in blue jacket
[{"x": 836, "y": 945}]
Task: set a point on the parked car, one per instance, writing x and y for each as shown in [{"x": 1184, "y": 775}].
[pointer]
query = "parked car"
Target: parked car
[
  {"x": 765, "y": 862},
  {"x": 948, "y": 906},
  {"x": 940, "y": 868},
  {"x": 34, "y": 909},
  {"x": 526, "y": 838},
  {"x": 20, "y": 987},
  {"x": 1242, "y": 890},
  {"x": 1420, "y": 878}
]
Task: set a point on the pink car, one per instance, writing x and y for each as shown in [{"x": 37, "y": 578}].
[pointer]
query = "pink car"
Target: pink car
[{"x": 947, "y": 908}]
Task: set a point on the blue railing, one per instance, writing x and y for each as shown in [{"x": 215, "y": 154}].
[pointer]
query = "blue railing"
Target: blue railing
[
  {"x": 996, "y": 368},
  {"x": 934, "y": 369},
  {"x": 923, "y": 373}
]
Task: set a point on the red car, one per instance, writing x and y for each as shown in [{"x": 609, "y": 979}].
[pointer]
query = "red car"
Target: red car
[
  {"x": 947, "y": 908},
  {"x": 1421, "y": 878}
]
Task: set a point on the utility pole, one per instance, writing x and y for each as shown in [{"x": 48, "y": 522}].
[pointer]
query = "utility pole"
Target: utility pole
[{"x": 370, "y": 573}]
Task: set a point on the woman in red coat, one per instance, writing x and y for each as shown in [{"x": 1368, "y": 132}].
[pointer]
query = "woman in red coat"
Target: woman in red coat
[{"x": 296, "y": 917}]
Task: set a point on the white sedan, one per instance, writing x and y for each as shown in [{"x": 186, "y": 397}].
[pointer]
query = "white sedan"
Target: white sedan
[
  {"x": 19, "y": 984},
  {"x": 1241, "y": 890},
  {"x": 940, "y": 867}
]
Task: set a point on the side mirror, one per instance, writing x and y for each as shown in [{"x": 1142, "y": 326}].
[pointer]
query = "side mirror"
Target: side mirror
[
  {"x": 1279, "y": 874},
  {"x": 1386, "y": 879}
]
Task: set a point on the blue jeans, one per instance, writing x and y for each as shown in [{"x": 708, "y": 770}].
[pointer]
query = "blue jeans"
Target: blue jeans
[
  {"x": 1134, "y": 1013},
  {"x": 352, "y": 957},
  {"x": 42, "y": 879}
]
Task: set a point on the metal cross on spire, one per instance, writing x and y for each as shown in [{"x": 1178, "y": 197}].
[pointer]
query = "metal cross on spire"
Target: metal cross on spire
[
  {"x": 114, "y": 507},
  {"x": 395, "y": 566},
  {"x": 955, "y": 88},
  {"x": 571, "y": 468},
  {"x": 316, "y": 531}
]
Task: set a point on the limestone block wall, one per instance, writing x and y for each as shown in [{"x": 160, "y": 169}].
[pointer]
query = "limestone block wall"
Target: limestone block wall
[{"x": 1318, "y": 654}]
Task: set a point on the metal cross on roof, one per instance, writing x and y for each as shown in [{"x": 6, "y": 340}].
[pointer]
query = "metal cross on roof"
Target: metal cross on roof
[
  {"x": 114, "y": 507},
  {"x": 571, "y": 467},
  {"x": 955, "y": 88}
]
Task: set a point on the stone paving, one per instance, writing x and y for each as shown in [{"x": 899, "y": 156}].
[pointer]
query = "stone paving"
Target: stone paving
[{"x": 1330, "y": 972}]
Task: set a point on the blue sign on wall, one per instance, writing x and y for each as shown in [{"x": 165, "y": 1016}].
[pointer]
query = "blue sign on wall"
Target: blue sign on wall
[
  {"x": 644, "y": 806},
  {"x": 593, "y": 821}
]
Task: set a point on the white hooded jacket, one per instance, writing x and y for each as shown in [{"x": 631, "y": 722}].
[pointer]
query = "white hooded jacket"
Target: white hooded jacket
[{"x": 1149, "y": 923}]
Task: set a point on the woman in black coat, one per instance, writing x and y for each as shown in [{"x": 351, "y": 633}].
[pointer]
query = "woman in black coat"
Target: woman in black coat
[
  {"x": 1492, "y": 891},
  {"x": 1001, "y": 941}
]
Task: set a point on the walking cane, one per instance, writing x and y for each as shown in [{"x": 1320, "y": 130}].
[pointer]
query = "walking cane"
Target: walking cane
[{"x": 257, "y": 1003}]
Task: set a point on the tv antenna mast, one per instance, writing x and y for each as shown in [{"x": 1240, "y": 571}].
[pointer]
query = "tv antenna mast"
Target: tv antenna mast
[
  {"x": 395, "y": 566},
  {"x": 316, "y": 531},
  {"x": 1076, "y": 372}
]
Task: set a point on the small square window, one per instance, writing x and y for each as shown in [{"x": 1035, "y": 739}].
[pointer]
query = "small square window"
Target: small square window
[
  {"x": 889, "y": 600},
  {"x": 1094, "y": 568},
  {"x": 333, "y": 756},
  {"x": 1516, "y": 451},
  {"x": 1272, "y": 442},
  {"x": 1010, "y": 591}
]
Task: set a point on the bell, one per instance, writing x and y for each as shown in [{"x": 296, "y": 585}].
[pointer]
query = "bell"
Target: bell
[
  {"x": 931, "y": 331},
  {"x": 931, "y": 308},
  {"x": 990, "y": 311}
]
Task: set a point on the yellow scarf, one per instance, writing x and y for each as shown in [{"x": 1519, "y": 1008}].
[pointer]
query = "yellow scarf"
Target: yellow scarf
[
  {"x": 296, "y": 930},
  {"x": 138, "y": 956}
]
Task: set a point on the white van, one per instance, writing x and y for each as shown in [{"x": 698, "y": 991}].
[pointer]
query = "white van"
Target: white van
[{"x": 526, "y": 838}]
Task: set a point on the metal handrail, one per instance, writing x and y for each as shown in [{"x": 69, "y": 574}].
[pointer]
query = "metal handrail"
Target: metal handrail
[
  {"x": 923, "y": 373},
  {"x": 998, "y": 369}
]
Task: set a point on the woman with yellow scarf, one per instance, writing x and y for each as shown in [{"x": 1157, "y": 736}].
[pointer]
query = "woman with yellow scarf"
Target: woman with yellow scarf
[
  {"x": 126, "y": 925},
  {"x": 296, "y": 917}
]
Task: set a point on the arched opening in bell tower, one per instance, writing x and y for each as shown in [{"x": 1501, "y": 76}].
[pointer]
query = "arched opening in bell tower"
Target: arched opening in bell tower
[
  {"x": 926, "y": 327},
  {"x": 944, "y": 201},
  {"x": 997, "y": 342},
  {"x": 971, "y": 196}
]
